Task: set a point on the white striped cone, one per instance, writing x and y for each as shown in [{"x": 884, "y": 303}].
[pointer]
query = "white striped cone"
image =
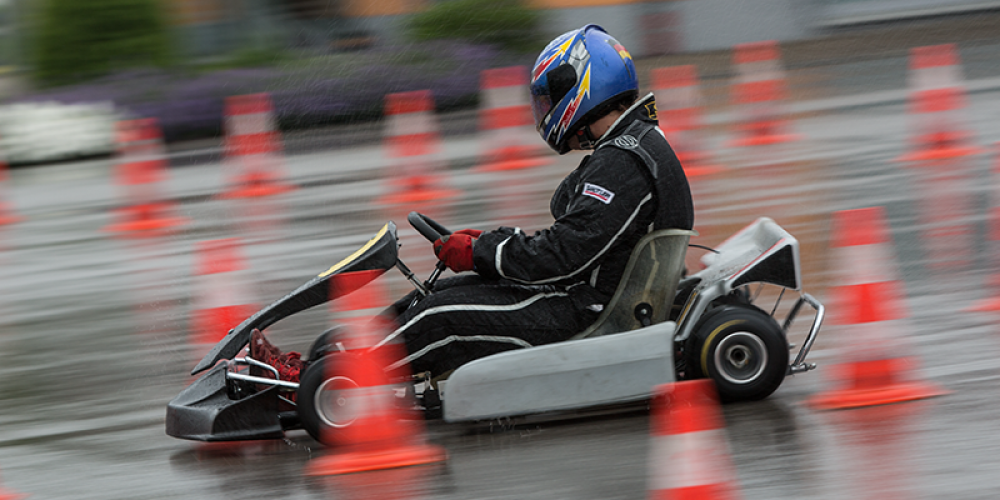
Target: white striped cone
[
  {"x": 759, "y": 92},
  {"x": 505, "y": 123},
  {"x": 223, "y": 300},
  {"x": 411, "y": 126},
  {"x": 937, "y": 94},
  {"x": 141, "y": 171},
  {"x": 412, "y": 142},
  {"x": 679, "y": 107},
  {"x": 866, "y": 291},
  {"x": 868, "y": 300},
  {"x": 689, "y": 457},
  {"x": 253, "y": 147}
]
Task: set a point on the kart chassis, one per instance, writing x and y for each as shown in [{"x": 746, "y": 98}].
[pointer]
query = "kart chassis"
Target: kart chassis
[{"x": 615, "y": 366}]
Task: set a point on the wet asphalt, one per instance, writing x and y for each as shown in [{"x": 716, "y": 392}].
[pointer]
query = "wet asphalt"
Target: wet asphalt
[{"x": 95, "y": 331}]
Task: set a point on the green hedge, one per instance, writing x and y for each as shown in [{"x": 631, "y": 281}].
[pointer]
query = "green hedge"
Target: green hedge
[
  {"x": 507, "y": 23},
  {"x": 81, "y": 39}
]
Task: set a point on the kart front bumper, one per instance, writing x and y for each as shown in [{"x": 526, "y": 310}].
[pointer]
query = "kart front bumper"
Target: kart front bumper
[{"x": 204, "y": 412}]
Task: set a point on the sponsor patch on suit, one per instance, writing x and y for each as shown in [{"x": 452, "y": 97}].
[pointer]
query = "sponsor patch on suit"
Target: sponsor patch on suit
[{"x": 598, "y": 193}]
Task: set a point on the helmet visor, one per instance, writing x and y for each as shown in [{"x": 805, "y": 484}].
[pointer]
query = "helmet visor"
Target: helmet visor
[{"x": 541, "y": 106}]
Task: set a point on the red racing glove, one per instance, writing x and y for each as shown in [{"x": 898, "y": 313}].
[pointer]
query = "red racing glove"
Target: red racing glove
[
  {"x": 471, "y": 232},
  {"x": 455, "y": 250}
]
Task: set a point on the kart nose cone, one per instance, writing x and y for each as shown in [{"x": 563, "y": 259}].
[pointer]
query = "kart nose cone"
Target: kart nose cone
[{"x": 204, "y": 412}]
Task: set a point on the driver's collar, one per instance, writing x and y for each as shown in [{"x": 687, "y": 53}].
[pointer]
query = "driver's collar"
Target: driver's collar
[{"x": 636, "y": 104}]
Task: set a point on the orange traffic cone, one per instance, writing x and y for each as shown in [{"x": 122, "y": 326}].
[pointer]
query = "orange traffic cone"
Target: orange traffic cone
[
  {"x": 412, "y": 143},
  {"x": 512, "y": 152},
  {"x": 936, "y": 95},
  {"x": 141, "y": 171},
  {"x": 415, "y": 179},
  {"x": 679, "y": 101},
  {"x": 380, "y": 436},
  {"x": 689, "y": 457},
  {"x": 253, "y": 148},
  {"x": 759, "y": 91},
  {"x": 870, "y": 302},
  {"x": 222, "y": 301},
  {"x": 505, "y": 121}
]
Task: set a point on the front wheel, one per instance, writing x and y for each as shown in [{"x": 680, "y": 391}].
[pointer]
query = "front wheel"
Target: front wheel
[
  {"x": 328, "y": 404},
  {"x": 325, "y": 344},
  {"x": 742, "y": 349}
]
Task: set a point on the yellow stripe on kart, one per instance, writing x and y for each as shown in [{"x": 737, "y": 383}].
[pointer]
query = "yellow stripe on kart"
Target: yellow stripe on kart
[{"x": 336, "y": 267}]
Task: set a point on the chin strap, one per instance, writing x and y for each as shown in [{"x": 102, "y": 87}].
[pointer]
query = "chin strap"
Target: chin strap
[{"x": 586, "y": 138}]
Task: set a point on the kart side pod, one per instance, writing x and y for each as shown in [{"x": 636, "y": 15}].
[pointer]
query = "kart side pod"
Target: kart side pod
[
  {"x": 568, "y": 375},
  {"x": 620, "y": 358}
]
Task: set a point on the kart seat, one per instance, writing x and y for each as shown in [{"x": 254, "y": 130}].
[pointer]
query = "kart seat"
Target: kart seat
[{"x": 647, "y": 287}]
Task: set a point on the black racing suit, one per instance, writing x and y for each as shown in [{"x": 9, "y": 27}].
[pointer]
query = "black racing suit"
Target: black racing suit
[{"x": 536, "y": 289}]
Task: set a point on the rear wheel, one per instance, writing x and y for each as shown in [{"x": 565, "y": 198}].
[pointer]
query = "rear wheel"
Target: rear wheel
[{"x": 742, "y": 349}]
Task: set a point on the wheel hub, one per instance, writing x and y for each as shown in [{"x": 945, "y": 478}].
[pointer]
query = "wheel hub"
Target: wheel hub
[
  {"x": 741, "y": 357},
  {"x": 334, "y": 402}
]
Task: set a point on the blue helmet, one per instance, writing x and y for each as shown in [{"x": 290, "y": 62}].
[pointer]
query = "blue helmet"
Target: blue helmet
[{"x": 579, "y": 77}]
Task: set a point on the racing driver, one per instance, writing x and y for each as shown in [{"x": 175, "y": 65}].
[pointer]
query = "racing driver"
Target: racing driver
[{"x": 532, "y": 289}]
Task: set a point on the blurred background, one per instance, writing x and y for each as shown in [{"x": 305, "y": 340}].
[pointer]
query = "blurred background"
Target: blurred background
[{"x": 170, "y": 166}]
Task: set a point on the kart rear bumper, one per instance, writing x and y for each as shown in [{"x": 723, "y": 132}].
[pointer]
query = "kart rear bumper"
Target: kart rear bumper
[{"x": 204, "y": 412}]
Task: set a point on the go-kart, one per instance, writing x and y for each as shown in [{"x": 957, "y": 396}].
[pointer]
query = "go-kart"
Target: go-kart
[{"x": 658, "y": 327}]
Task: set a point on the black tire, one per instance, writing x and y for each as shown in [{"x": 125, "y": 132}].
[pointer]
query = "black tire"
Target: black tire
[
  {"x": 742, "y": 349},
  {"x": 324, "y": 344},
  {"x": 323, "y": 402}
]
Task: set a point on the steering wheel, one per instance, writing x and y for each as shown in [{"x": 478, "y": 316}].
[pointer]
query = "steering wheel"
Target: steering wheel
[
  {"x": 433, "y": 231},
  {"x": 426, "y": 226}
]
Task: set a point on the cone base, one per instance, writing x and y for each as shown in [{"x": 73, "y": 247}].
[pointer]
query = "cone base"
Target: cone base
[
  {"x": 417, "y": 196},
  {"x": 7, "y": 495},
  {"x": 257, "y": 191},
  {"x": 702, "y": 170},
  {"x": 403, "y": 456},
  {"x": 939, "y": 154},
  {"x": 146, "y": 225},
  {"x": 514, "y": 164},
  {"x": 722, "y": 491},
  {"x": 892, "y": 393},
  {"x": 764, "y": 140},
  {"x": 988, "y": 305}
]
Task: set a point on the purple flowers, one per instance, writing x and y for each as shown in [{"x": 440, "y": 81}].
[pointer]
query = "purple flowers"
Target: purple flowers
[{"x": 329, "y": 89}]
